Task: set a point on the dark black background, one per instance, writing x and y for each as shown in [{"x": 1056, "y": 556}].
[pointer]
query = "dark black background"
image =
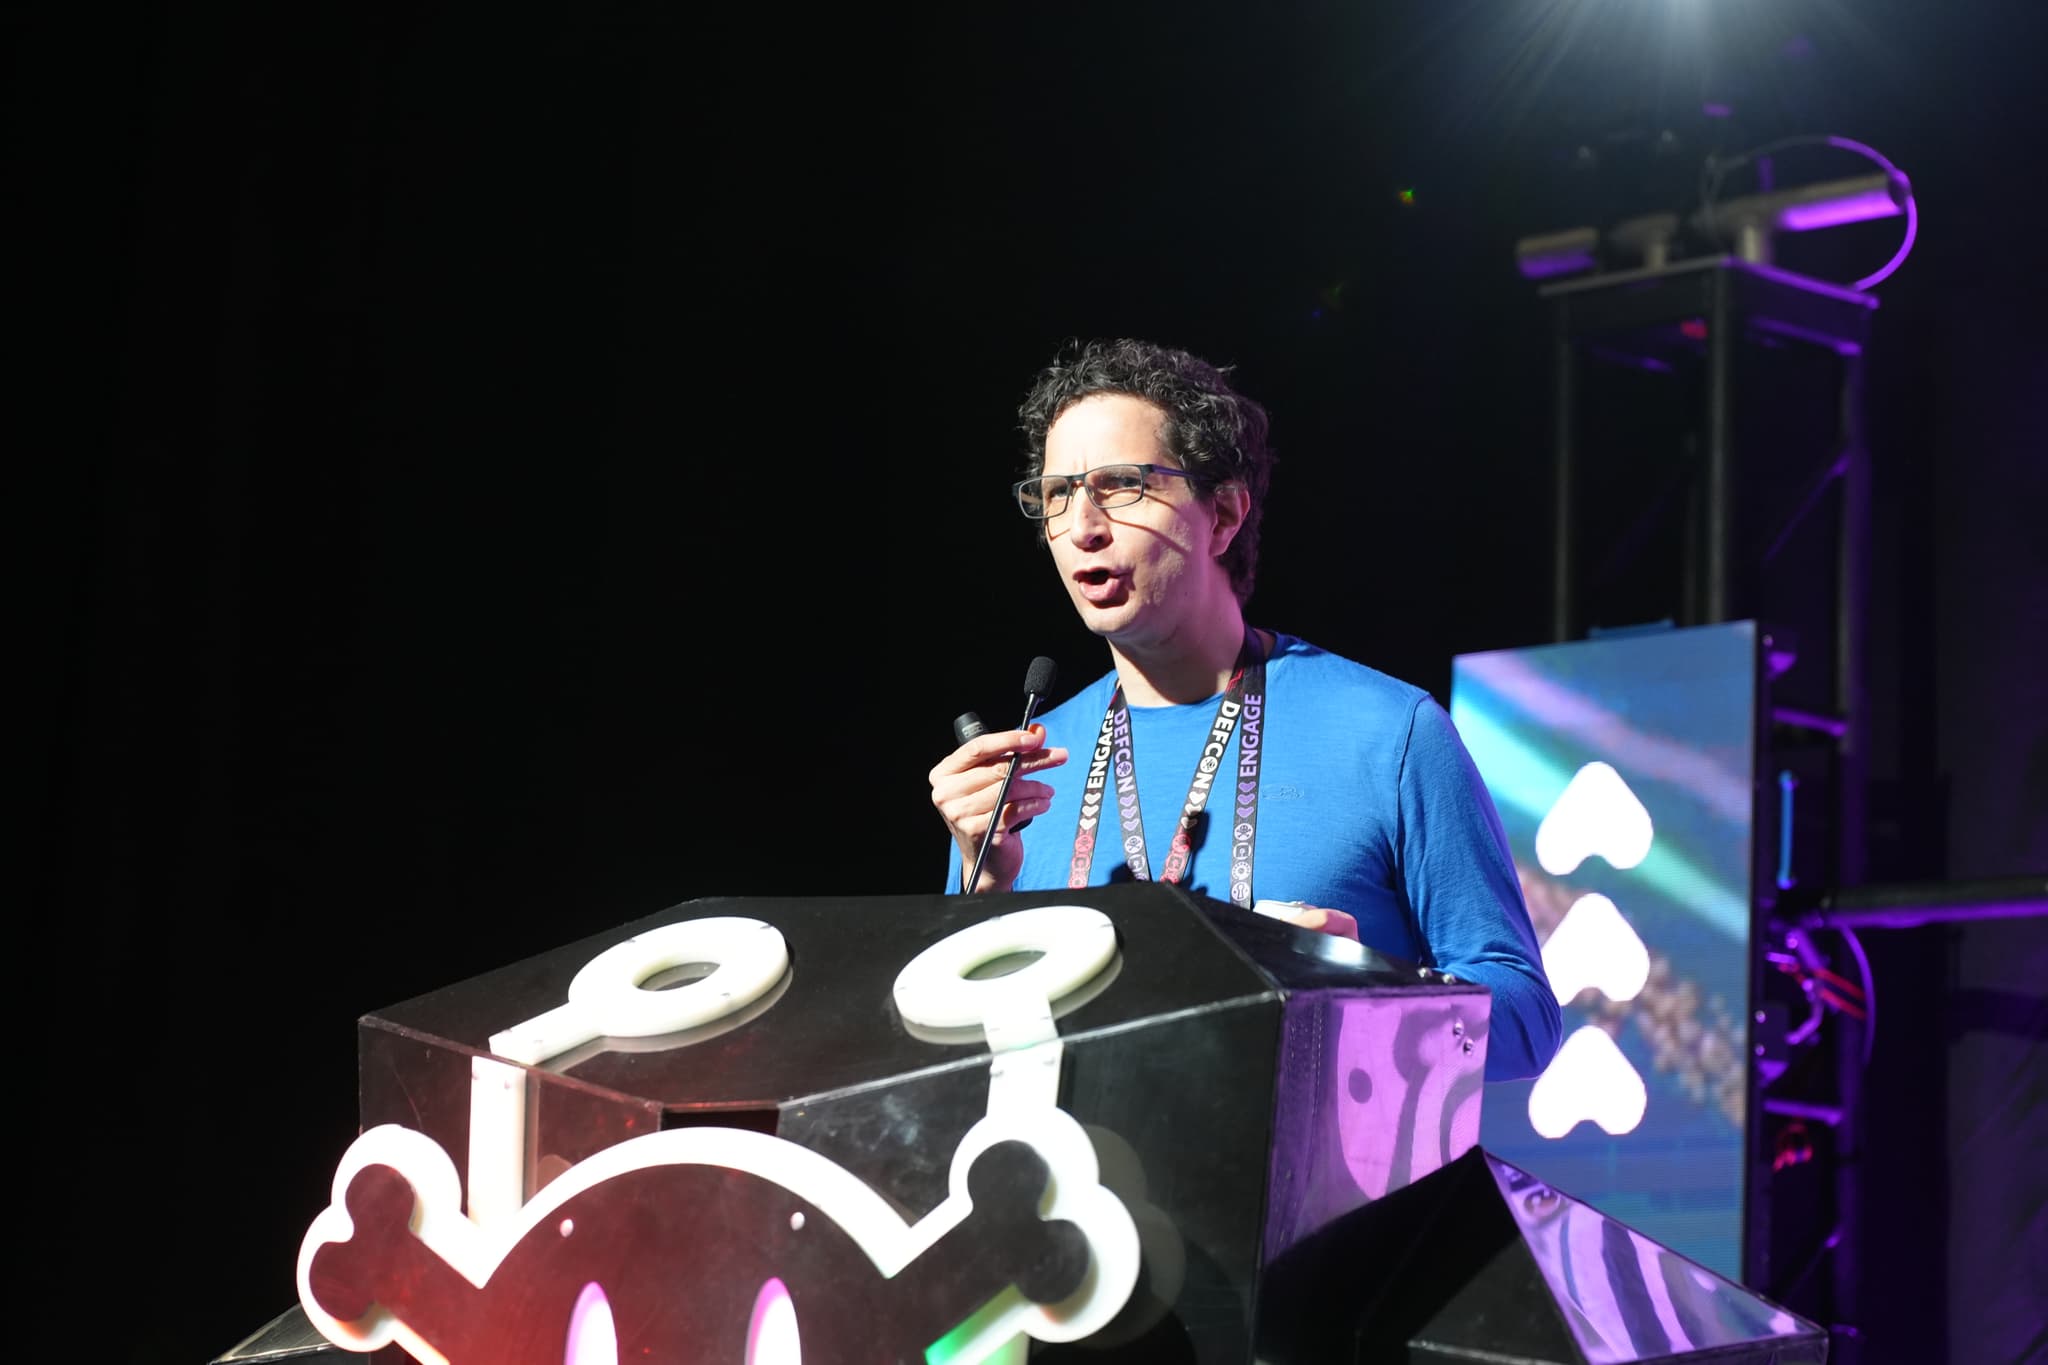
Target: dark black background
[{"x": 494, "y": 472}]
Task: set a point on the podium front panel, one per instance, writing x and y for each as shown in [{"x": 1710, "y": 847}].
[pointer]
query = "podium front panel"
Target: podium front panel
[{"x": 1242, "y": 1082}]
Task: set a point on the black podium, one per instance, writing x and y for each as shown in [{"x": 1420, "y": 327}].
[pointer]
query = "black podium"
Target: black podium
[{"x": 1287, "y": 1121}]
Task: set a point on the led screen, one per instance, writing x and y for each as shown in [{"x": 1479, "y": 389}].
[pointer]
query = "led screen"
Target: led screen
[{"x": 1622, "y": 767}]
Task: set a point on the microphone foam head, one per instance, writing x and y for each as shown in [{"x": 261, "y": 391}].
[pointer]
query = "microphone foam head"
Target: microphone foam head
[{"x": 1038, "y": 679}]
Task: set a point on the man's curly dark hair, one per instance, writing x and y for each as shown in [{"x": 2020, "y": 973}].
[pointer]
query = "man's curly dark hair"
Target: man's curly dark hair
[{"x": 1214, "y": 432}]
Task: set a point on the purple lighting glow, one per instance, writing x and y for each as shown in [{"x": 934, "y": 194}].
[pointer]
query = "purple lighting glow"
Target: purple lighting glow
[
  {"x": 1884, "y": 272},
  {"x": 1562, "y": 263},
  {"x": 1835, "y": 212},
  {"x": 593, "y": 1336},
  {"x": 772, "y": 1335},
  {"x": 1905, "y": 248}
]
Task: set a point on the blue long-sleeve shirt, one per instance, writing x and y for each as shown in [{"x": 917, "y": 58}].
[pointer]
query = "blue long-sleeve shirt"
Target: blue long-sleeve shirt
[{"x": 1368, "y": 803}]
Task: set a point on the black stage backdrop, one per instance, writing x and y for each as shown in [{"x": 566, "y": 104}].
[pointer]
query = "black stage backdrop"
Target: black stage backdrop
[{"x": 505, "y": 470}]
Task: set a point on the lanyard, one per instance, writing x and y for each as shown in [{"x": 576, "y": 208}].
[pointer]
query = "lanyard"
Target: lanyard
[{"x": 1243, "y": 706}]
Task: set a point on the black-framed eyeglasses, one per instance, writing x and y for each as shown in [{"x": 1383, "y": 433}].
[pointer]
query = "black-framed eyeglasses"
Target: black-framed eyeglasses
[{"x": 1110, "y": 485}]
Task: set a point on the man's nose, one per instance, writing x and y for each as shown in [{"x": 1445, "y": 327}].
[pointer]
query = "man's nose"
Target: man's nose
[{"x": 1091, "y": 524}]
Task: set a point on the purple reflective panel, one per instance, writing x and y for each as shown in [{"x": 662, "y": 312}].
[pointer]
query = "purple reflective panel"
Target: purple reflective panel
[
  {"x": 1626, "y": 1297},
  {"x": 1378, "y": 1089}
]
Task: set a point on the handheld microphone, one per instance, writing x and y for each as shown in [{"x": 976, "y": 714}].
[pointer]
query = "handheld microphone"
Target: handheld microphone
[{"x": 1038, "y": 681}]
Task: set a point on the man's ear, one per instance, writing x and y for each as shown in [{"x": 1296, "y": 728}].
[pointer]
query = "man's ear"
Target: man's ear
[{"x": 1229, "y": 503}]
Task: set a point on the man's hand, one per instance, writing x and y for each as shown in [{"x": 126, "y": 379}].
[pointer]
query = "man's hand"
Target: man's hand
[
  {"x": 1311, "y": 917},
  {"x": 964, "y": 786}
]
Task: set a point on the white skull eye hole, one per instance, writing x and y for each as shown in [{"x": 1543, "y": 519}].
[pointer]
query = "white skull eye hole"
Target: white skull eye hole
[{"x": 1056, "y": 953}]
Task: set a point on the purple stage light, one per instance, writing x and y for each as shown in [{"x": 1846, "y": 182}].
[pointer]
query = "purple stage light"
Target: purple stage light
[
  {"x": 1856, "y": 208},
  {"x": 1563, "y": 263}
]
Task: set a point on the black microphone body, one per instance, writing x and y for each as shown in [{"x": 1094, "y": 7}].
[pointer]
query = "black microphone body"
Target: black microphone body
[{"x": 1038, "y": 681}]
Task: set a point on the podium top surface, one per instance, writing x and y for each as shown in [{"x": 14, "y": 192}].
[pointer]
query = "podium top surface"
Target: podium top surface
[{"x": 831, "y": 1023}]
